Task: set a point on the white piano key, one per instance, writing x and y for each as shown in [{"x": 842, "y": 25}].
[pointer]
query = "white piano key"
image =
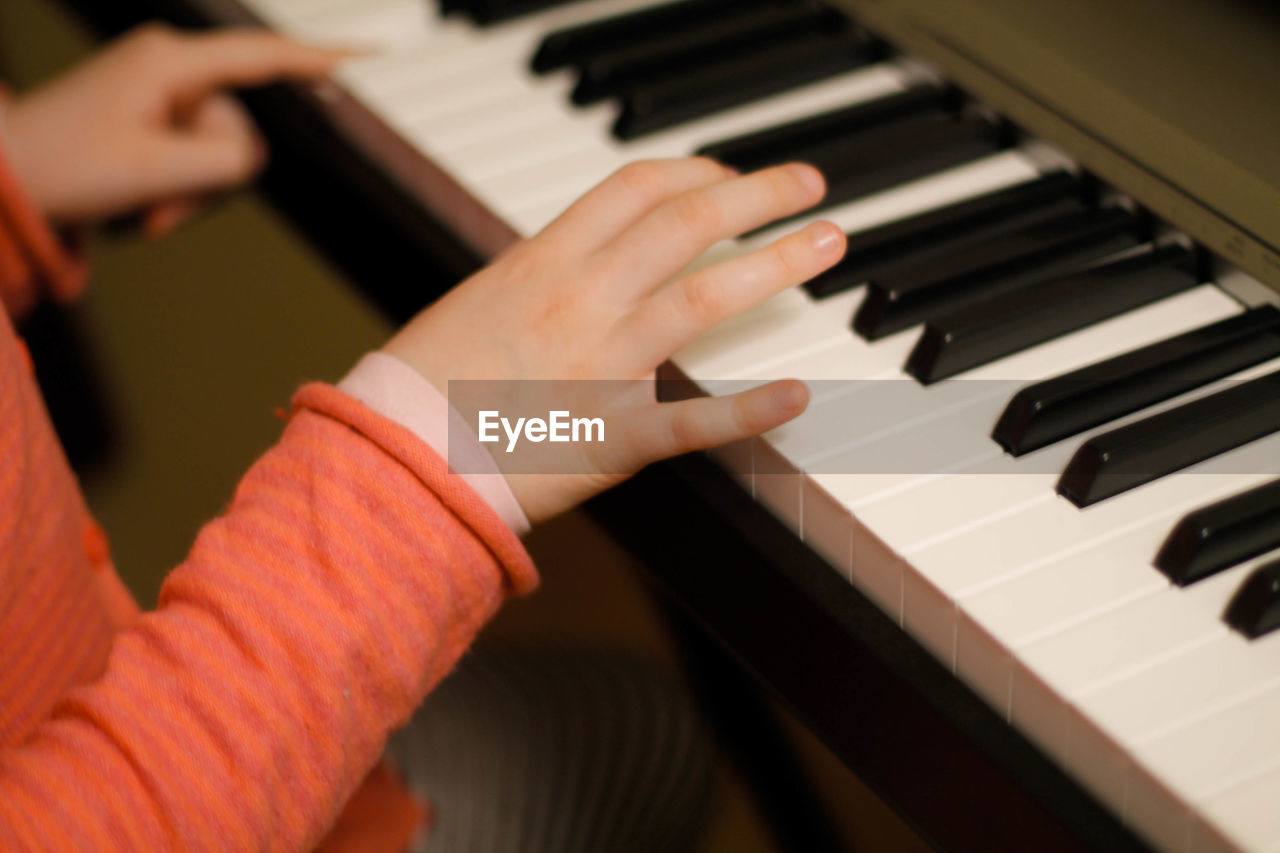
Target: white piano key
[
  {"x": 964, "y": 500},
  {"x": 788, "y": 327},
  {"x": 382, "y": 25},
  {"x": 301, "y": 9},
  {"x": 1174, "y": 693},
  {"x": 976, "y": 558},
  {"x": 1243, "y": 817},
  {"x": 1203, "y": 759},
  {"x": 945, "y": 427},
  {"x": 441, "y": 48},
  {"x": 504, "y": 119},
  {"x": 1106, "y": 725},
  {"x": 988, "y": 496},
  {"x": 994, "y": 623},
  {"x": 826, "y": 526},
  {"x": 850, "y": 547},
  {"x": 959, "y": 182},
  {"x": 950, "y": 504},
  {"x": 559, "y": 173},
  {"x": 1114, "y": 644},
  {"x": 1038, "y": 534},
  {"x": 684, "y": 140}
]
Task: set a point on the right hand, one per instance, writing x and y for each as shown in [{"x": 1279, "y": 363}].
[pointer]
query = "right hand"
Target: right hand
[
  {"x": 148, "y": 125},
  {"x": 585, "y": 299}
]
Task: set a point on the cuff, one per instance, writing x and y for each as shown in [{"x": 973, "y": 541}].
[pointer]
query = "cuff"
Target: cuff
[
  {"x": 399, "y": 393},
  {"x": 32, "y": 255}
]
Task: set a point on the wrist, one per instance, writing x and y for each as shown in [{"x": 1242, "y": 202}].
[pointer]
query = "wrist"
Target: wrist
[
  {"x": 394, "y": 389},
  {"x": 13, "y": 149},
  {"x": 51, "y": 262}
]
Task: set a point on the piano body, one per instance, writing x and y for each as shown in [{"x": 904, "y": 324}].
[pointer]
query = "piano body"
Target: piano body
[{"x": 1048, "y": 187}]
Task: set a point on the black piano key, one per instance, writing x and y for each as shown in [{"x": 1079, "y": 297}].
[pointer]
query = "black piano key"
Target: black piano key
[
  {"x": 980, "y": 270},
  {"x": 1222, "y": 534},
  {"x": 777, "y": 144},
  {"x": 486, "y": 12},
  {"x": 875, "y": 146},
  {"x": 903, "y": 152},
  {"x": 892, "y": 153},
  {"x": 745, "y": 78},
  {"x": 904, "y": 242},
  {"x": 679, "y": 53},
  {"x": 1255, "y": 608},
  {"x": 1132, "y": 455},
  {"x": 1069, "y": 404},
  {"x": 1002, "y": 325},
  {"x": 577, "y": 44}
]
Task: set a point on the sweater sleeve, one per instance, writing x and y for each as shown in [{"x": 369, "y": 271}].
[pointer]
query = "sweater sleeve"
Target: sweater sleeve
[
  {"x": 346, "y": 577},
  {"x": 34, "y": 259},
  {"x": 395, "y": 390}
]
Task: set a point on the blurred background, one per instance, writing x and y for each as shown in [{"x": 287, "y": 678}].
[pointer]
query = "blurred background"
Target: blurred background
[{"x": 164, "y": 381}]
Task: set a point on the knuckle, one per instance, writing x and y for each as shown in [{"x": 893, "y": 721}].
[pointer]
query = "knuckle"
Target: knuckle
[
  {"x": 154, "y": 38},
  {"x": 709, "y": 169},
  {"x": 742, "y": 417},
  {"x": 696, "y": 214},
  {"x": 248, "y": 163},
  {"x": 703, "y": 297},
  {"x": 523, "y": 262},
  {"x": 790, "y": 256},
  {"x": 785, "y": 187},
  {"x": 682, "y": 433},
  {"x": 644, "y": 178}
]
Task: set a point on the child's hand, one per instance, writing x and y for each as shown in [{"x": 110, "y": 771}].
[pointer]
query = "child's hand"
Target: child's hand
[
  {"x": 584, "y": 299},
  {"x": 146, "y": 126}
]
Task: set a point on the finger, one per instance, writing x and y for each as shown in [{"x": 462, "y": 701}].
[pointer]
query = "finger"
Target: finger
[
  {"x": 237, "y": 58},
  {"x": 670, "y": 429},
  {"x": 192, "y": 164},
  {"x": 668, "y": 238},
  {"x": 163, "y": 219},
  {"x": 674, "y": 316},
  {"x": 628, "y": 194}
]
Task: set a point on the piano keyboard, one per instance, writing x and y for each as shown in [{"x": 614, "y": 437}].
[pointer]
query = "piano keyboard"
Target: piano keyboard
[{"x": 1033, "y": 576}]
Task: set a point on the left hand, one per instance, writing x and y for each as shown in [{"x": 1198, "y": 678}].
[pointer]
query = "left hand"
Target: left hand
[{"x": 147, "y": 126}]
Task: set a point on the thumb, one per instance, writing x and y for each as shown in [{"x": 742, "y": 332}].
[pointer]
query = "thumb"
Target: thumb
[
  {"x": 163, "y": 218},
  {"x": 189, "y": 165},
  {"x": 218, "y": 149},
  {"x": 670, "y": 429}
]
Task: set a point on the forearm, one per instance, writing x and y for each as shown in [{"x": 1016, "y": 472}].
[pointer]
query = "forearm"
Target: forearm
[{"x": 344, "y": 580}]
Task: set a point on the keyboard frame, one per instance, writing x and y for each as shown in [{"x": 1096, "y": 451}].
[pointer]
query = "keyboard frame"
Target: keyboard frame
[
  {"x": 380, "y": 214},
  {"x": 1029, "y": 62}
]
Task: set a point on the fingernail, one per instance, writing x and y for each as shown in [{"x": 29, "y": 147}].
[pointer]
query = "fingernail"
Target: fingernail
[
  {"x": 791, "y": 396},
  {"x": 824, "y": 237},
  {"x": 810, "y": 177}
]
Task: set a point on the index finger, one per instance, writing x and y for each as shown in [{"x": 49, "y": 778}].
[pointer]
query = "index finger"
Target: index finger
[
  {"x": 237, "y": 58},
  {"x": 671, "y": 236},
  {"x": 620, "y": 200}
]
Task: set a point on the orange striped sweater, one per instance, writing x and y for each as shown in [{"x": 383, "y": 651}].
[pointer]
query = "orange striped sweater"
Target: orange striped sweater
[{"x": 347, "y": 576}]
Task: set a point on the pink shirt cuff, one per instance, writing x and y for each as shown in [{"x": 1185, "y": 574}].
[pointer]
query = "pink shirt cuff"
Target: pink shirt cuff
[{"x": 396, "y": 391}]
